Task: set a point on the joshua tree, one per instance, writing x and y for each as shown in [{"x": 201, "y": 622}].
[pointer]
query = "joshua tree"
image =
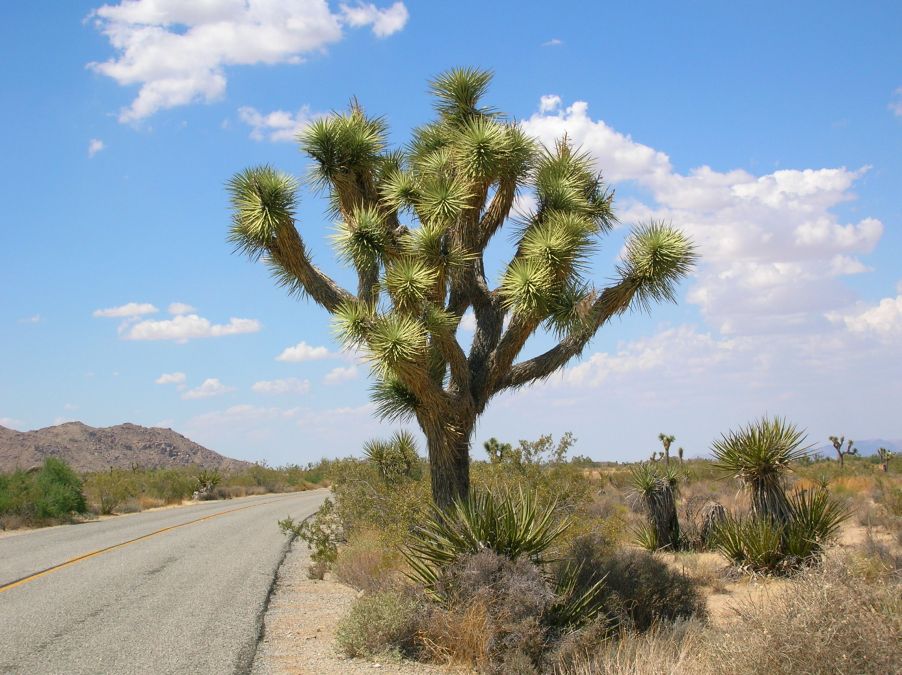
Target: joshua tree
[
  {"x": 496, "y": 450},
  {"x": 680, "y": 454},
  {"x": 666, "y": 441},
  {"x": 414, "y": 223},
  {"x": 759, "y": 455},
  {"x": 885, "y": 456},
  {"x": 837, "y": 445}
]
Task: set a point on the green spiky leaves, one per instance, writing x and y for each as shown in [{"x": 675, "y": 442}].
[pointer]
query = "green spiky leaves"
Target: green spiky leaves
[
  {"x": 526, "y": 287},
  {"x": 656, "y": 258},
  {"x": 362, "y": 241},
  {"x": 458, "y": 91},
  {"x": 409, "y": 282},
  {"x": 341, "y": 145},
  {"x": 262, "y": 200},
  {"x": 396, "y": 340}
]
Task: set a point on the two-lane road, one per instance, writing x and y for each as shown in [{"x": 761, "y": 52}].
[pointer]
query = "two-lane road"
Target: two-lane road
[{"x": 172, "y": 591}]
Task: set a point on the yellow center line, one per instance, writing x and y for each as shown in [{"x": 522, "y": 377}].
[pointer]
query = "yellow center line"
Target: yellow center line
[{"x": 92, "y": 554}]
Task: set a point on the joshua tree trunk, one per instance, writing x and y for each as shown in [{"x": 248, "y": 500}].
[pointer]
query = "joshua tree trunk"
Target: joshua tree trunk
[
  {"x": 662, "y": 510},
  {"x": 769, "y": 500},
  {"x": 449, "y": 460}
]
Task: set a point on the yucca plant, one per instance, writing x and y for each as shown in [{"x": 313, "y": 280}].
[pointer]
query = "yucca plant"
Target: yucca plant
[
  {"x": 414, "y": 224},
  {"x": 511, "y": 525},
  {"x": 657, "y": 492},
  {"x": 760, "y": 455},
  {"x": 395, "y": 458}
]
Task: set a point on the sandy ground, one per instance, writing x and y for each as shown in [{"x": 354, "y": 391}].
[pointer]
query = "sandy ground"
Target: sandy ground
[{"x": 299, "y": 627}]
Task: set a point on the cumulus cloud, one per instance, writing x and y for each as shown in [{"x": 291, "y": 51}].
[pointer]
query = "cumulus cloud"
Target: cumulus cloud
[
  {"x": 34, "y": 318},
  {"x": 339, "y": 375},
  {"x": 883, "y": 320},
  {"x": 95, "y": 145},
  {"x": 303, "y": 352},
  {"x": 126, "y": 311},
  {"x": 210, "y": 387},
  {"x": 171, "y": 378},
  {"x": 290, "y": 385},
  {"x": 553, "y": 42},
  {"x": 177, "y": 308},
  {"x": 184, "y": 327},
  {"x": 385, "y": 22},
  {"x": 177, "y": 52},
  {"x": 278, "y": 125},
  {"x": 772, "y": 248}
]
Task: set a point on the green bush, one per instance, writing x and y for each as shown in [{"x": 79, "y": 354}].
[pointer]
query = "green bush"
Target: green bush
[
  {"x": 385, "y": 621},
  {"x": 322, "y": 533},
  {"x": 52, "y": 493}
]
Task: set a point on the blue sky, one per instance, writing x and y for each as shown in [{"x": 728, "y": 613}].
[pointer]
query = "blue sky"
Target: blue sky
[{"x": 771, "y": 134}]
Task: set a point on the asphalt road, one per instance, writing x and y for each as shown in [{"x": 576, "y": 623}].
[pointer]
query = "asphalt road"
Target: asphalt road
[{"x": 189, "y": 599}]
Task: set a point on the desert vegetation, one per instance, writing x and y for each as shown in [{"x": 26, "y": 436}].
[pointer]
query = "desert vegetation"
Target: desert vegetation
[
  {"x": 544, "y": 567},
  {"x": 54, "y": 493}
]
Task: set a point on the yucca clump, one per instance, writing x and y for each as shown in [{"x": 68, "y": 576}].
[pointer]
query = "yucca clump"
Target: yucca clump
[
  {"x": 760, "y": 455},
  {"x": 781, "y": 532},
  {"x": 414, "y": 224},
  {"x": 395, "y": 458},
  {"x": 657, "y": 493}
]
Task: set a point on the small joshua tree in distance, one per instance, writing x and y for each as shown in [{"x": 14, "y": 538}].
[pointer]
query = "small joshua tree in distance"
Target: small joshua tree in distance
[
  {"x": 666, "y": 441},
  {"x": 837, "y": 445},
  {"x": 680, "y": 454},
  {"x": 885, "y": 456}
]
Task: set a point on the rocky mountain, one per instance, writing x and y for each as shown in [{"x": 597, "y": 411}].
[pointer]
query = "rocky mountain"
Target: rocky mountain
[{"x": 87, "y": 448}]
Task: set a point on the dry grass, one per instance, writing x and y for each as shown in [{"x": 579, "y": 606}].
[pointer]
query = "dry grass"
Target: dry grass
[
  {"x": 458, "y": 637},
  {"x": 366, "y": 564},
  {"x": 833, "y": 620}
]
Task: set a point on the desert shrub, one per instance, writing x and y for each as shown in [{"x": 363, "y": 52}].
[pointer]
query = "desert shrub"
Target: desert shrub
[
  {"x": 366, "y": 564},
  {"x": 701, "y": 516},
  {"x": 380, "y": 622},
  {"x": 638, "y": 590},
  {"x": 830, "y": 620},
  {"x": 50, "y": 494},
  {"x": 322, "y": 533},
  {"x": 365, "y": 501},
  {"x": 108, "y": 490}
]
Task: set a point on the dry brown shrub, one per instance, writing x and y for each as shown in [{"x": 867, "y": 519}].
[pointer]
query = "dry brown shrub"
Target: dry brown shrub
[
  {"x": 366, "y": 564},
  {"x": 457, "y": 636},
  {"x": 146, "y": 502}
]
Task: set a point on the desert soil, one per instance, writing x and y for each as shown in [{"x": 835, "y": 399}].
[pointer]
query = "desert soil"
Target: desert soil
[{"x": 300, "y": 623}]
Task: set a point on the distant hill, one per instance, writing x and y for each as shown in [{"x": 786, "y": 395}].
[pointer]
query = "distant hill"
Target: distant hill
[
  {"x": 865, "y": 447},
  {"x": 87, "y": 448}
]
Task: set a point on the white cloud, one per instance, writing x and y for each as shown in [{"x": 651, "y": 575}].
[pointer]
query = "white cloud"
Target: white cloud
[
  {"x": 553, "y": 42},
  {"x": 278, "y": 125},
  {"x": 186, "y": 327},
  {"x": 303, "y": 352},
  {"x": 95, "y": 145},
  {"x": 70, "y": 406},
  {"x": 772, "y": 249},
  {"x": 883, "y": 320},
  {"x": 129, "y": 310},
  {"x": 34, "y": 318},
  {"x": 896, "y": 103},
  {"x": 210, "y": 387},
  {"x": 468, "y": 322},
  {"x": 177, "y": 52},
  {"x": 290, "y": 385},
  {"x": 339, "y": 375},
  {"x": 385, "y": 22},
  {"x": 549, "y": 102},
  {"x": 12, "y": 423},
  {"x": 177, "y": 308},
  {"x": 171, "y": 378}
]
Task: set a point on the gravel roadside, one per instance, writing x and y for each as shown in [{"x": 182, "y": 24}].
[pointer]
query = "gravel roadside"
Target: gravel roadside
[{"x": 300, "y": 622}]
